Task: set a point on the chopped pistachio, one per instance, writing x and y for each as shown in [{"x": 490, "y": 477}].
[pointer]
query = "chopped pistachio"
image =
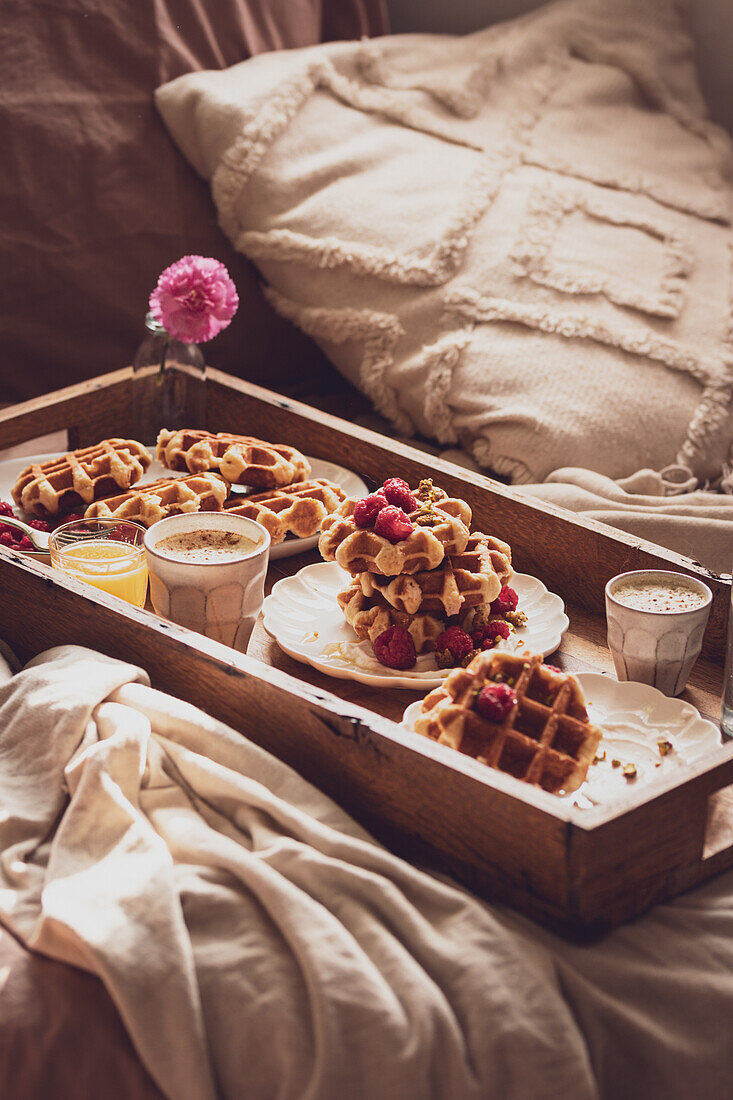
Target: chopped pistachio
[
  {"x": 630, "y": 771},
  {"x": 515, "y": 618},
  {"x": 511, "y": 681},
  {"x": 599, "y": 759},
  {"x": 469, "y": 657},
  {"x": 615, "y": 763},
  {"x": 664, "y": 747},
  {"x": 444, "y": 659}
]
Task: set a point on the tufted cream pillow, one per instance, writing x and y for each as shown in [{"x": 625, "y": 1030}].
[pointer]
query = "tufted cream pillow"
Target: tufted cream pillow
[{"x": 517, "y": 241}]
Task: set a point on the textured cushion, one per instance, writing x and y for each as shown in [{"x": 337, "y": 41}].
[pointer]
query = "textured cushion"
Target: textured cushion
[{"x": 517, "y": 241}]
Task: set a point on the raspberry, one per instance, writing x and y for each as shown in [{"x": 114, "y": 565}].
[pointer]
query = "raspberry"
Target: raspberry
[
  {"x": 498, "y": 628},
  {"x": 393, "y": 524},
  {"x": 5, "y": 508},
  {"x": 122, "y": 534},
  {"x": 25, "y": 544},
  {"x": 73, "y": 517},
  {"x": 398, "y": 493},
  {"x": 395, "y": 648},
  {"x": 507, "y": 600},
  {"x": 368, "y": 508},
  {"x": 39, "y": 524},
  {"x": 455, "y": 641},
  {"x": 494, "y": 702},
  {"x": 6, "y": 538}
]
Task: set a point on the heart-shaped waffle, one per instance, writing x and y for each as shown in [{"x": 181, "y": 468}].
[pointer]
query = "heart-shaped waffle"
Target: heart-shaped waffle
[
  {"x": 440, "y": 526},
  {"x": 370, "y": 616},
  {"x": 468, "y": 579},
  {"x": 545, "y": 739}
]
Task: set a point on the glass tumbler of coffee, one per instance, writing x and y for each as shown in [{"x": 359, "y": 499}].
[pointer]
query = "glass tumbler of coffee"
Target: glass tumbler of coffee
[
  {"x": 207, "y": 572},
  {"x": 656, "y": 620}
]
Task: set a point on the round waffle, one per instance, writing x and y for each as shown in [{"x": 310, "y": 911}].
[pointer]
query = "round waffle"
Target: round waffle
[
  {"x": 468, "y": 579},
  {"x": 75, "y": 479},
  {"x": 166, "y": 497},
  {"x": 545, "y": 739},
  {"x": 241, "y": 459},
  {"x": 441, "y": 528},
  {"x": 370, "y": 616},
  {"x": 297, "y": 509}
]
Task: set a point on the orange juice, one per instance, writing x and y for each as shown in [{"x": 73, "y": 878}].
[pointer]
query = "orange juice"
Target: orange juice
[{"x": 116, "y": 567}]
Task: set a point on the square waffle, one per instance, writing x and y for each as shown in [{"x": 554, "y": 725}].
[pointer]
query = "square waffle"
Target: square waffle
[
  {"x": 241, "y": 459},
  {"x": 297, "y": 509},
  {"x": 76, "y": 479},
  {"x": 166, "y": 497},
  {"x": 546, "y": 738}
]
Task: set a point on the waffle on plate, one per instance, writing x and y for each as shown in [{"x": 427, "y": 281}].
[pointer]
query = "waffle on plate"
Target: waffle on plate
[
  {"x": 242, "y": 460},
  {"x": 166, "y": 497},
  {"x": 472, "y": 578},
  {"x": 297, "y": 509},
  {"x": 370, "y": 616},
  {"x": 76, "y": 479},
  {"x": 515, "y": 714},
  {"x": 439, "y": 525}
]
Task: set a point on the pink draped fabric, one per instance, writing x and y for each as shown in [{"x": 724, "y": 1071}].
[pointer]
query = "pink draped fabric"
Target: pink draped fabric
[{"x": 94, "y": 198}]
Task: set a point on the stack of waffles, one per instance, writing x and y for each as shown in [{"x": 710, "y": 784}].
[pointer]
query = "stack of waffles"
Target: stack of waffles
[
  {"x": 415, "y": 565},
  {"x": 517, "y": 715},
  {"x": 101, "y": 482}
]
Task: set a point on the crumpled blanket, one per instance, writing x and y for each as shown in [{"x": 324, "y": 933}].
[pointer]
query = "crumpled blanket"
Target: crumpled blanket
[
  {"x": 257, "y": 942},
  {"x": 665, "y": 507},
  {"x": 254, "y": 939}
]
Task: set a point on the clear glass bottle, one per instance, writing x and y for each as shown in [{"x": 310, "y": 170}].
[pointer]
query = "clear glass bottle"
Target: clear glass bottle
[{"x": 162, "y": 397}]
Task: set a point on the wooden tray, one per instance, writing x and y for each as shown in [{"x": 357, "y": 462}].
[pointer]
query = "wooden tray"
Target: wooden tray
[{"x": 577, "y": 871}]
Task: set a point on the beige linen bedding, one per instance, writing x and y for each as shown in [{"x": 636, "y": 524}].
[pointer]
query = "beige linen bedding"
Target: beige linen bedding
[{"x": 257, "y": 942}]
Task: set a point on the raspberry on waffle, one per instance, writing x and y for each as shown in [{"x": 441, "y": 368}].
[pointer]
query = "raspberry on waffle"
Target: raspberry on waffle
[
  {"x": 297, "y": 509},
  {"x": 545, "y": 738},
  {"x": 370, "y": 616},
  {"x": 67, "y": 483},
  {"x": 441, "y": 527},
  {"x": 166, "y": 497},
  {"x": 242, "y": 460},
  {"x": 468, "y": 579}
]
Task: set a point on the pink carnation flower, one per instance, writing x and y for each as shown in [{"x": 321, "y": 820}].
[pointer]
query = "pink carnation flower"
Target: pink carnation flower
[{"x": 194, "y": 300}]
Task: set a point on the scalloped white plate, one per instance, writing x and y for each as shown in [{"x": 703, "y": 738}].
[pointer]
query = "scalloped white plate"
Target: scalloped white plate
[
  {"x": 633, "y": 717},
  {"x": 350, "y": 482},
  {"x": 302, "y": 615}
]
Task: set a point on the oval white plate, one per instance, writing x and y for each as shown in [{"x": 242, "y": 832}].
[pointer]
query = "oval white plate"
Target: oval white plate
[
  {"x": 633, "y": 717},
  {"x": 302, "y": 615},
  {"x": 350, "y": 482}
]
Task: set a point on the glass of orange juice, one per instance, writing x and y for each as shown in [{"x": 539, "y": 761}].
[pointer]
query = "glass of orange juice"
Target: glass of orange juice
[{"x": 107, "y": 553}]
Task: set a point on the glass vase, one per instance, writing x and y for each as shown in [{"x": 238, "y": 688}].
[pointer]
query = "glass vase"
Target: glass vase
[{"x": 163, "y": 396}]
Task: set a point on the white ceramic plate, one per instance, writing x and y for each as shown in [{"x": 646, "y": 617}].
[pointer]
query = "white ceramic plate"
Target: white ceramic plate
[
  {"x": 350, "y": 482},
  {"x": 634, "y": 718},
  {"x": 302, "y": 615}
]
